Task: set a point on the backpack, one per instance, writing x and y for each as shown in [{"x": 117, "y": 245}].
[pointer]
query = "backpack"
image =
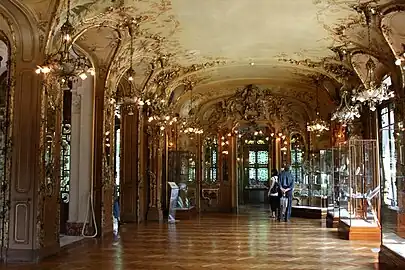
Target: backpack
[{"x": 275, "y": 188}]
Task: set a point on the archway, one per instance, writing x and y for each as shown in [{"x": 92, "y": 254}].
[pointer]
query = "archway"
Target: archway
[{"x": 5, "y": 56}]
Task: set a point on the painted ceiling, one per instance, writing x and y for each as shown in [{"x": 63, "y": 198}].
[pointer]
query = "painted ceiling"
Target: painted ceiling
[{"x": 226, "y": 44}]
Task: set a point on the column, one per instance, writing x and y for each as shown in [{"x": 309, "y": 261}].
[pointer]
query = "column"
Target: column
[
  {"x": 143, "y": 185},
  {"x": 129, "y": 165},
  {"x": 199, "y": 172},
  {"x": 98, "y": 139},
  {"x": 277, "y": 153},
  {"x": 155, "y": 173},
  {"x": 233, "y": 172}
]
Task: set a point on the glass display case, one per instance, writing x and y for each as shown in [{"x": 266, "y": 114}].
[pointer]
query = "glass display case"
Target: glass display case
[
  {"x": 183, "y": 173},
  {"x": 186, "y": 198},
  {"x": 359, "y": 199},
  {"x": 314, "y": 187},
  {"x": 392, "y": 171},
  {"x": 339, "y": 172}
]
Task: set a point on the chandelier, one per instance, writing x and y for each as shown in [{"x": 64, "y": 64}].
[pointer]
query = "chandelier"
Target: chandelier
[
  {"x": 191, "y": 125},
  {"x": 317, "y": 126},
  {"x": 346, "y": 112},
  {"x": 66, "y": 63},
  {"x": 373, "y": 93}
]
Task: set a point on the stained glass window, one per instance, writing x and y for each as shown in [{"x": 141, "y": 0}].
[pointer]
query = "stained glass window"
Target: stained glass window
[
  {"x": 214, "y": 157},
  {"x": 211, "y": 162},
  {"x": 263, "y": 174},
  {"x": 262, "y": 157},
  {"x": 258, "y": 165},
  {"x": 214, "y": 173},
  {"x": 252, "y": 173},
  {"x": 297, "y": 169},
  {"x": 252, "y": 157}
]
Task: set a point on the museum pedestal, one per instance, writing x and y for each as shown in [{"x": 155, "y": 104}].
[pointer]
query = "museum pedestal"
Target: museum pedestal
[
  {"x": 358, "y": 230},
  {"x": 332, "y": 219},
  {"x": 186, "y": 213},
  {"x": 389, "y": 259},
  {"x": 255, "y": 195},
  {"x": 308, "y": 212}
]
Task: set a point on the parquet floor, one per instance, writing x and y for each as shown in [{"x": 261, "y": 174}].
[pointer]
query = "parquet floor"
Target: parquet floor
[{"x": 221, "y": 241}]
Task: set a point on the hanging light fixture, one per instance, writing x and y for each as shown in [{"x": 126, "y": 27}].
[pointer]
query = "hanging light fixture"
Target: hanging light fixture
[
  {"x": 346, "y": 112},
  {"x": 191, "y": 125},
  {"x": 66, "y": 63},
  {"x": 317, "y": 126},
  {"x": 373, "y": 93}
]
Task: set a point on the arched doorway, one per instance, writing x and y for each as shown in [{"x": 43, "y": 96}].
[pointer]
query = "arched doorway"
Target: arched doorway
[{"x": 4, "y": 139}]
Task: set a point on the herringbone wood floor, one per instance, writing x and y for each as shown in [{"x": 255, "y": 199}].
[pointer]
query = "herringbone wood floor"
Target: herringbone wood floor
[{"x": 221, "y": 241}]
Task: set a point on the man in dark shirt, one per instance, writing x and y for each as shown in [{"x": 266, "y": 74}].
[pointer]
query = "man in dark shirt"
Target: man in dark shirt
[{"x": 286, "y": 182}]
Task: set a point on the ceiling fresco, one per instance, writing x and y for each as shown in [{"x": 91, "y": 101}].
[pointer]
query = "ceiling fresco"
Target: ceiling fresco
[{"x": 222, "y": 46}]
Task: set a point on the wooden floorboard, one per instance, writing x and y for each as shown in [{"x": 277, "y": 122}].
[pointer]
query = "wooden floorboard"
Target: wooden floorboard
[{"x": 219, "y": 241}]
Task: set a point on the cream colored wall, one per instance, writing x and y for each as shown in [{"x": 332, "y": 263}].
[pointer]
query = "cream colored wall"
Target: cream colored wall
[{"x": 81, "y": 149}]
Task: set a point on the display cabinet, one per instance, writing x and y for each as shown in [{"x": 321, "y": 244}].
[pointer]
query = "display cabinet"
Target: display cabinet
[
  {"x": 392, "y": 171},
  {"x": 313, "y": 188},
  {"x": 359, "y": 187},
  {"x": 183, "y": 173},
  {"x": 186, "y": 198},
  {"x": 313, "y": 191},
  {"x": 339, "y": 173}
]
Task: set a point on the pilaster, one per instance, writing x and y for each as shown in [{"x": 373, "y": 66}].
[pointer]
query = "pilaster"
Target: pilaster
[
  {"x": 233, "y": 172},
  {"x": 143, "y": 189},
  {"x": 155, "y": 142},
  {"x": 129, "y": 165}
]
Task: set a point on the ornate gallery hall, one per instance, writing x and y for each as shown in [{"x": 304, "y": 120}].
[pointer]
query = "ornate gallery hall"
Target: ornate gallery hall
[{"x": 202, "y": 134}]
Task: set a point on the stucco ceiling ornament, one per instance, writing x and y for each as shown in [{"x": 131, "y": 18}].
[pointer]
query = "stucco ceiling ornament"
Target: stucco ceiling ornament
[
  {"x": 66, "y": 63},
  {"x": 253, "y": 105}
]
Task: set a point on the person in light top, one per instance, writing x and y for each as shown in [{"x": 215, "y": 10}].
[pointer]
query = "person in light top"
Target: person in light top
[{"x": 273, "y": 194}]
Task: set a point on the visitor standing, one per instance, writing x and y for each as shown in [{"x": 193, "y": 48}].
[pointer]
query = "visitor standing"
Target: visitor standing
[
  {"x": 273, "y": 194},
  {"x": 286, "y": 182}
]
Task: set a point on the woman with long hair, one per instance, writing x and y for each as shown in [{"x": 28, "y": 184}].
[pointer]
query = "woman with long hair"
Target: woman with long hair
[{"x": 273, "y": 194}]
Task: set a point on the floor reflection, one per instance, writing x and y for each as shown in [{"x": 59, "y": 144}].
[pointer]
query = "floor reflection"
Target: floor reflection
[{"x": 218, "y": 241}]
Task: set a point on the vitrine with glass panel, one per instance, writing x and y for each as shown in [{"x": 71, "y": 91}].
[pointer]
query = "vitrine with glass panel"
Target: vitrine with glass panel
[
  {"x": 338, "y": 173},
  {"x": 315, "y": 189},
  {"x": 392, "y": 160},
  {"x": 297, "y": 168},
  {"x": 359, "y": 198},
  {"x": 320, "y": 178},
  {"x": 182, "y": 171}
]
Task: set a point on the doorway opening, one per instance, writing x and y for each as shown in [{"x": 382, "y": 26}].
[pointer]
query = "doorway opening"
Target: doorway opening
[{"x": 255, "y": 159}]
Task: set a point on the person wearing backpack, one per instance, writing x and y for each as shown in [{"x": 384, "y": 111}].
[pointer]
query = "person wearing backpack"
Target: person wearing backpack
[{"x": 273, "y": 194}]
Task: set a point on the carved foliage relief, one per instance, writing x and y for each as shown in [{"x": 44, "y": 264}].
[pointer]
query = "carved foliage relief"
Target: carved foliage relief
[{"x": 250, "y": 104}]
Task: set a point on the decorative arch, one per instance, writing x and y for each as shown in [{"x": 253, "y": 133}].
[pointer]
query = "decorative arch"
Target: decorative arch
[{"x": 19, "y": 28}]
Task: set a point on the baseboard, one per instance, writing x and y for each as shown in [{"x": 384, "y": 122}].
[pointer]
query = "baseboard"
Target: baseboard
[{"x": 30, "y": 255}]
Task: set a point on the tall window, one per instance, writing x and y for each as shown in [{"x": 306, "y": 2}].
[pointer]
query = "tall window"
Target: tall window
[
  {"x": 258, "y": 166},
  {"x": 297, "y": 153},
  {"x": 388, "y": 156},
  {"x": 211, "y": 161},
  {"x": 191, "y": 170}
]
